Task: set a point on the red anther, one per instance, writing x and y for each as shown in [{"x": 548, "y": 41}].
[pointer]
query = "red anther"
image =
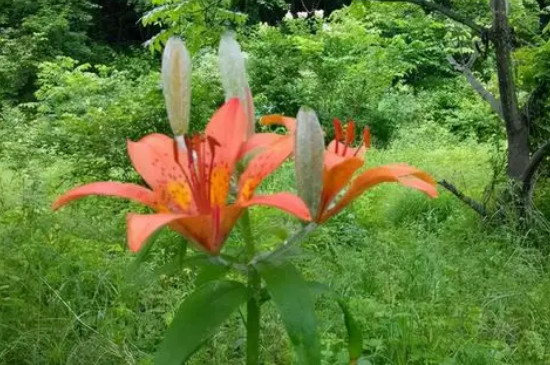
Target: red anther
[
  {"x": 366, "y": 137},
  {"x": 350, "y": 136},
  {"x": 176, "y": 152},
  {"x": 350, "y": 133},
  {"x": 338, "y": 133}
]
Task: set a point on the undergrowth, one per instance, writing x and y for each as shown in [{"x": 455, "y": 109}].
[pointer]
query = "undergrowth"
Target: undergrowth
[{"x": 428, "y": 281}]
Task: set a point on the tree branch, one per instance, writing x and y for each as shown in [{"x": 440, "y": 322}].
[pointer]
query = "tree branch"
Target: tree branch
[
  {"x": 476, "y": 206},
  {"x": 478, "y": 87},
  {"x": 536, "y": 160},
  {"x": 460, "y": 18}
]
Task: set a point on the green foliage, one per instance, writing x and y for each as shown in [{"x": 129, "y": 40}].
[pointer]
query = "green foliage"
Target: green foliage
[
  {"x": 305, "y": 59},
  {"x": 35, "y": 31},
  {"x": 426, "y": 280},
  {"x": 291, "y": 295},
  {"x": 199, "y": 22},
  {"x": 87, "y": 113},
  {"x": 198, "y": 318}
]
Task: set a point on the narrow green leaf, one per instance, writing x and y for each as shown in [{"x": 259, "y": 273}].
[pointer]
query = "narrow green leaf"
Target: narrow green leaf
[
  {"x": 291, "y": 295},
  {"x": 197, "y": 319},
  {"x": 355, "y": 342}
]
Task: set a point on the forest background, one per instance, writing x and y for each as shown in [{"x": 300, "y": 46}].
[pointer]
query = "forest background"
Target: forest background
[{"x": 462, "y": 279}]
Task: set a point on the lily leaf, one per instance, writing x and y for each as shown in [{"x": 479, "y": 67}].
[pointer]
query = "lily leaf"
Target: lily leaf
[
  {"x": 292, "y": 297},
  {"x": 198, "y": 318}
]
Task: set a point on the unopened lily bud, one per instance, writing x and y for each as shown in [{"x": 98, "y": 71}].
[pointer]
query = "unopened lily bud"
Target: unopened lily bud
[
  {"x": 309, "y": 151},
  {"x": 233, "y": 75},
  {"x": 176, "y": 84}
]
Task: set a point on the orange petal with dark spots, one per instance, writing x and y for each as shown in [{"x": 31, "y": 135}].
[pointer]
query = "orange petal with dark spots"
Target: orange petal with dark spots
[
  {"x": 107, "y": 188},
  {"x": 264, "y": 164},
  {"x": 153, "y": 158}
]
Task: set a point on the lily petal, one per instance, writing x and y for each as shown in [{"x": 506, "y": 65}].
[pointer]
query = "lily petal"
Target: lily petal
[
  {"x": 107, "y": 188},
  {"x": 229, "y": 127},
  {"x": 209, "y": 232},
  {"x": 153, "y": 158},
  {"x": 264, "y": 164},
  {"x": 287, "y": 202},
  {"x": 336, "y": 178},
  {"x": 142, "y": 226},
  {"x": 258, "y": 141},
  {"x": 401, "y": 173},
  {"x": 277, "y": 119}
]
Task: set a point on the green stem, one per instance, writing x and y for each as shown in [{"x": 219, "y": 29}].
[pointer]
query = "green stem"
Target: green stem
[
  {"x": 253, "y": 319},
  {"x": 253, "y": 304}
]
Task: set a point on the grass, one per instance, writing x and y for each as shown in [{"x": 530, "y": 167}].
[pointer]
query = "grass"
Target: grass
[{"x": 429, "y": 282}]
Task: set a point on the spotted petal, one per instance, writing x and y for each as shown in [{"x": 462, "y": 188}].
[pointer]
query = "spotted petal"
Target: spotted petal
[
  {"x": 264, "y": 164},
  {"x": 153, "y": 158}
]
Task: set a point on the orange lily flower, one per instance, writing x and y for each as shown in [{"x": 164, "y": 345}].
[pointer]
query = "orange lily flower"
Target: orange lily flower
[
  {"x": 340, "y": 163},
  {"x": 189, "y": 190}
]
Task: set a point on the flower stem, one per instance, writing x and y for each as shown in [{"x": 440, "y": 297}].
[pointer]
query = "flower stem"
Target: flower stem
[{"x": 253, "y": 304}]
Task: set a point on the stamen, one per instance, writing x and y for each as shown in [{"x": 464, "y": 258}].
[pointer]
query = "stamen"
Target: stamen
[
  {"x": 338, "y": 133},
  {"x": 366, "y": 137},
  {"x": 189, "y": 181},
  {"x": 212, "y": 144},
  {"x": 350, "y": 136},
  {"x": 216, "y": 221}
]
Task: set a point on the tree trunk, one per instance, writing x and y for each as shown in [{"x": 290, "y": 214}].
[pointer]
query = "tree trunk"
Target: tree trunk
[{"x": 517, "y": 130}]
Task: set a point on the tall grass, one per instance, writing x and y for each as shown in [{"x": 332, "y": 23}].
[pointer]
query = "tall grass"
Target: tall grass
[{"x": 428, "y": 281}]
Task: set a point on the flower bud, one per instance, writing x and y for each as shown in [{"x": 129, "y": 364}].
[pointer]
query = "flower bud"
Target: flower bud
[
  {"x": 176, "y": 84},
  {"x": 309, "y": 151},
  {"x": 233, "y": 74}
]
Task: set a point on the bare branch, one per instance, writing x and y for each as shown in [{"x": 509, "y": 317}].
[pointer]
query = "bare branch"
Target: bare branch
[
  {"x": 496, "y": 105},
  {"x": 475, "y": 205},
  {"x": 460, "y": 18},
  {"x": 529, "y": 174}
]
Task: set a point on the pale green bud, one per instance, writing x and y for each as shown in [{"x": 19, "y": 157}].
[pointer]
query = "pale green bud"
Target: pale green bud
[
  {"x": 176, "y": 84},
  {"x": 233, "y": 75},
  {"x": 309, "y": 152}
]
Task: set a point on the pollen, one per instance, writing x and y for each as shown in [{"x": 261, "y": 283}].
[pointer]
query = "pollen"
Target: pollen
[
  {"x": 219, "y": 185},
  {"x": 179, "y": 193},
  {"x": 248, "y": 188}
]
